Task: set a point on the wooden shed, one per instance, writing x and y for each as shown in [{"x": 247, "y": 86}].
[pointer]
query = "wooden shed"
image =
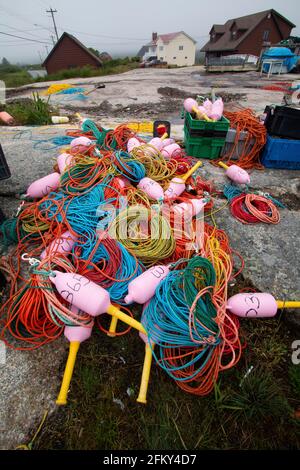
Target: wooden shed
[{"x": 69, "y": 53}]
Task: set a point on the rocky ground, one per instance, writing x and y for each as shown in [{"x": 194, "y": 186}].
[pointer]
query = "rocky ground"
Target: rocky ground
[{"x": 30, "y": 380}]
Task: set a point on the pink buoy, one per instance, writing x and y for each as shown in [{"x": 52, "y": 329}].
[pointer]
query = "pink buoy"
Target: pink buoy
[
  {"x": 43, "y": 186},
  {"x": 207, "y": 105},
  {"x": 157, "y": 143},
  {"x": 252, "y": 304},
  {"x": 217, "y": 110},
  {"x": 63, "y": 245},
  {"x": 171, "y": 150},
  {"x": 78, "y": 333},
  {"x": 123, "y": 182},
  {"x": 176, "y": 187},
  {"x": 80, "y": 145},
  {"x": 237, "y": 174},
  {"x": 143, "y": 287},
  {"x": 190, "y": 105},
  {"x": 191, "y": 208},
  {"x": 81, "y": 292},
  {"x": 151, "y": 188},
  {"x": 132, "y": 143},
  {"x": 6, "y": 118},
  {"x": 64, "y": 160},
  {"x": 168, "y": 141}
]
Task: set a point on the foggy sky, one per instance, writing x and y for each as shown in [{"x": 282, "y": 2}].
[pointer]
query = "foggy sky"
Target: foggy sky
[{"x": 119, "y": 26}]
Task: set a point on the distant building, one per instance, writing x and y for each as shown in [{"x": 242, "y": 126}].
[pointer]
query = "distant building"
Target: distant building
[
  {"x": 105, "y": 57},
  {"x": 247, "y": 34},
  {"x": 69, "y": 53},
  {"x": 174, "y": 48}
]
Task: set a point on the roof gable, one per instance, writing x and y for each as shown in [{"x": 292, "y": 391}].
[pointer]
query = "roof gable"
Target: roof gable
[
  {"x": 77, "y": 42},
  {"x": 170, "y": 36}
]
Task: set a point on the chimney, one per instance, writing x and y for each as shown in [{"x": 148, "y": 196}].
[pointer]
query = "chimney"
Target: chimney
[{"x": 154, "y": 36}]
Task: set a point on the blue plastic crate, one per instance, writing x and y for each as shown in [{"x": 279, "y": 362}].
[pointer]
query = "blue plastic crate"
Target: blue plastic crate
[{"x": 281, "y": 153}]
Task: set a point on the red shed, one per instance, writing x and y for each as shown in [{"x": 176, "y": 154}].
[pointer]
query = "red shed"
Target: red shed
[{"x": 69, "y": 53}]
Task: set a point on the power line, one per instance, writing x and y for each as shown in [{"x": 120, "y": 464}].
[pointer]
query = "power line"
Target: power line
[
  {"x": 17, "y": 45},
  {"x": 26, "y": 39},
  {"x": 15, "y": 14},
  {"x": 53, "y": 19},
  {"x": 108, "y": 37},
  {"x": 22, "y": 30}
]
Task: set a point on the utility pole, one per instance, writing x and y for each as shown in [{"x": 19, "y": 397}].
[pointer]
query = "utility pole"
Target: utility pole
[{"x": 53, "y": 19}]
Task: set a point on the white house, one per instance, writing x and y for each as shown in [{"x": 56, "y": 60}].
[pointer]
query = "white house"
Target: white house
[{"x": 174, "y": 48}]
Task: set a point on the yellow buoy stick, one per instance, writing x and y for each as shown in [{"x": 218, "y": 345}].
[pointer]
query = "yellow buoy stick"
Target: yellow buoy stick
[
  {"x": 200, "y": 115},
  {"x": 223, "y": 165},
  {"x": 73, "y": 350},
  {"x": 289, "y": 304},
  {"x": 164, "y": 136},
  {"x": 113, "y": 327},
  {"x": 115, "y": 312},
  {"x": 191, "y": 171},
  {"x": 142, "y": 398}
]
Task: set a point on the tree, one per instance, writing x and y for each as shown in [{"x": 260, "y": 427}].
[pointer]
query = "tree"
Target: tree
[
  {"x": 5, "y": 61},
  {"x": 94, "y": 51}
]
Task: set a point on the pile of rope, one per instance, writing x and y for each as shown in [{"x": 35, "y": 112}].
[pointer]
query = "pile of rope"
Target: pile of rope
[
  {"x": 250, "y": 208},
  {"x": 196, "y": 338},
  {"x": 249, "y": 156}
]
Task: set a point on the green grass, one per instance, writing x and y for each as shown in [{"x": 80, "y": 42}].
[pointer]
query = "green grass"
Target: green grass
[
  {"x": 15, "y": 76},
  {"x": 111, "y": 67},
  {"x": 294, "y": 375},
  {"x": 16, "y": 79},
  {"x": 30, "y": 112},
  {"x": 243, "y": 413}
]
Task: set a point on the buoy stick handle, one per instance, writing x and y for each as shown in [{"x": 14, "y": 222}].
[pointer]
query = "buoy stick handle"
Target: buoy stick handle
[
  {"x": 200, "y": 115},
  {"x": 114, "y": 311},
  {"x": 164, "y": 136},
  {"x": 142, "y": 398},
  {"x": 62, "y": 396},
  {"x": 223, "y": 165},
  {"x": 289, "y": 304},
  {"x": 196, "y": 111},
  {"x": 113, "y": 327},
  {"x": 191, "y": 171}
]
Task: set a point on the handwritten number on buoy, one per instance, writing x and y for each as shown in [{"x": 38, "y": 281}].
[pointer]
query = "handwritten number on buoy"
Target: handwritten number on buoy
[{"x": 254, "y": 302}]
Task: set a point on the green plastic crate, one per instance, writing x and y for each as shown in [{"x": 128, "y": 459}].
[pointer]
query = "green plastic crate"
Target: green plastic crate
[
  {"x": 196, "y": 124},
  {"x": 203, "y": 147}
]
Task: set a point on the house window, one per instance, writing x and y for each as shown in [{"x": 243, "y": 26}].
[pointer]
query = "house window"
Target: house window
[
  {"x": 185, "y": 57},
  {"x": 266, "y": 35},
  {"x": 233, "y": 35},
  {"x": 174, "y": 58},
  {"x": 161, "y": 58},
  {"x": 181, "y": 48},
  {"x": 161, "y": 48}
]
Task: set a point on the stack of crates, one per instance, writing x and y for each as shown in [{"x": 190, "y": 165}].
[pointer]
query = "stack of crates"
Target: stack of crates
[
  {"x": 204, "y": 139},
  {"x": 282, "y": 149}
]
